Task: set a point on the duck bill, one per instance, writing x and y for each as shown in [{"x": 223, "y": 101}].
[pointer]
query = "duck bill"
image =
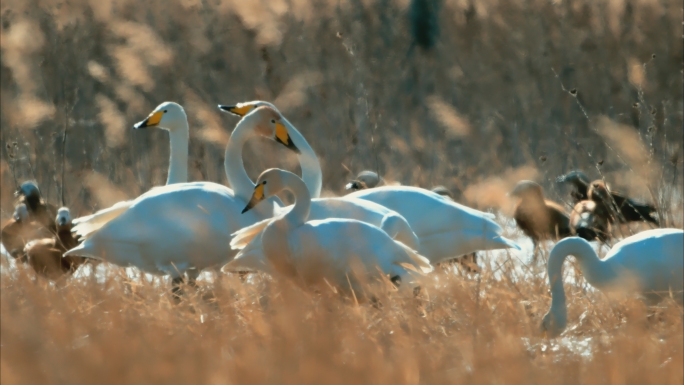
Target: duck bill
[
  {"x": 283, "y": 137},
  {"x": 151, "y": 121},
  {"x": 236, "y": 110},
  {"x": 257, "y": 196}
]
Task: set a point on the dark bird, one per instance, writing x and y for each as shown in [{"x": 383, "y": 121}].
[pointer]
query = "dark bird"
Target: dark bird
[
  {"x": 39, "y": 211},
  {"x": 538, "y": 218},
  {"x": 620, "y": 208},
  {"x": 45, "y": 255},
  {"x": 443, "y": 191},
  {"x": 580, "y": 181},
  {"x": 18, "y": 230},
  {"x": 590, "y": 221},
  {"x": 365, "y": 179}
]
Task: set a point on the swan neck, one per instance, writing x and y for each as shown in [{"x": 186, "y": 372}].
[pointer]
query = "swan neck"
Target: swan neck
[
  {"x": 178, "y": 158},
  {"x": 235, "y": 170},
  {"x": 308, "y": 161},
  {"x": 302, "y": 206},
  {"x": 595, "y": 271}
]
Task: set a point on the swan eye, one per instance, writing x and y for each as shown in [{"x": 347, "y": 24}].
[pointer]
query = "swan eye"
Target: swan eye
[
  {"x": 264, "y": 182},
  {"x": 273, "y": 121},
  {"x": 165, "y": 111}
]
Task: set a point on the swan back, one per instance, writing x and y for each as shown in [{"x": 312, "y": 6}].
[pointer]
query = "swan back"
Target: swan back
[
  {"x": 321, "y": 252},
  {"x": 426, "y": 211},
  {"x": 655, "y": 257}
]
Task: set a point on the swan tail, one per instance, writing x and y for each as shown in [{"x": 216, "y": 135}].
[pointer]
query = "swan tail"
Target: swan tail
[
  {"x": 244, "y": 236},
  {"x": 85, "y": 226},
  {"x": 416, "y": 261},
  {"x": 251, "y": 258}
]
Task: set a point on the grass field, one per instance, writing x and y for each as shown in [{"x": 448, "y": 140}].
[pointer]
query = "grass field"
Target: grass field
[{"x": 511, "y": 90}]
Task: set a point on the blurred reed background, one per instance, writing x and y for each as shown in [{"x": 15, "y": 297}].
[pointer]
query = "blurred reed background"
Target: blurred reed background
[
  {"x": 473, "y": 95},
  {"x": 489, "y": 91}
]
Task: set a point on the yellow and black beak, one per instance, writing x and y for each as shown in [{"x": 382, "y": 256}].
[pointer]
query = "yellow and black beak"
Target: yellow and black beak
[
  {"x": 151, "y": 121},
  {"x": 236, "y": 110},
  {"x": 283, "y": 137},
  {"x": 257, "y": 196}
]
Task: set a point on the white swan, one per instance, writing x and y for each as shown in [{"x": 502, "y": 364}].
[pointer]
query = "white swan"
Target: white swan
[
  {"x": 650, "y": 262},
  {"x": 173, "y": 228},
  {"x": 445, "y": 229},
  {"x": 326, "y": 252},
  {"x": 171, "y": 117},
  {"x": 321, "y": 208},
  {"x": 311, "y": 168}
]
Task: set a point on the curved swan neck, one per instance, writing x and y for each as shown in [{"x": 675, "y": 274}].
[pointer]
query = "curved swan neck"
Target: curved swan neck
[
  {"x": 308, "y": 161},
  {"x": 178, "y": 161},
  {"x": 235, "y": 170},
  {"x": 595, "y": 271},
  {"x": 302, "y": 206}
]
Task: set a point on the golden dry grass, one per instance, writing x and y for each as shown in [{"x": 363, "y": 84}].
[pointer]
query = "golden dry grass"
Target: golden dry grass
[
  {"x": 262, "y": 332},
  {"x": 512, "y": 90}
]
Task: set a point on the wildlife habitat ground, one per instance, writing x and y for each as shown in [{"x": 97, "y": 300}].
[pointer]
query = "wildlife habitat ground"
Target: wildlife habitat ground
[{"x": 472, "y": 95}]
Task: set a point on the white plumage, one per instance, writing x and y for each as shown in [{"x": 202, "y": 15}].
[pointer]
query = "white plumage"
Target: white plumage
[
  {"x": 445, "y": 229},
  {"x": 168, "y": 116},
  {"x": 323, "y": 252},
  {"x": 650, "y": 263},
  {"x": 185, "y": 225}
]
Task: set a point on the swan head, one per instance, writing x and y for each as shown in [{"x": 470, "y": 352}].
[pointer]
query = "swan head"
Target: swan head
[
  {"x": 553, "y": 323},
  {"x": 267, "y": 122},
  {"x": 21, "y": 213},
  {"x": 242, "y": 109},
  {"x": 365, "y": 179},
  {"x": 29, "y": 190},
  {"x": 63, "y": 218},
  {"x": 575, "y": 177},
  {"x": 268, "y": 184},
  {"x": 527, "y": 188},
  {"x": 168, "y": 115}
]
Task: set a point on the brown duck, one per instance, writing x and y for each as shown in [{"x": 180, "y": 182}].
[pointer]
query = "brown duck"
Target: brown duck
[
  {"x": 538, "y": 218},
  {"x": 45, "y": 255}
]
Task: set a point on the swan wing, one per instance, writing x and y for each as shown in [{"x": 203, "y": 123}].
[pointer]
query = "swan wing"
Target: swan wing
[
  {"x": 250, "y": 258},
  {"x": 427, "y": 212},
  {"x": 332, "y": 246},
  {"x": 396, "y": 226},
  {"x": 445, "y": 229},
  {"x": 653, "y": 257},
  {"x": 170, "y": 229},
  {"x": 244, "y": 236},
  {"x": 85, "y": 226}
]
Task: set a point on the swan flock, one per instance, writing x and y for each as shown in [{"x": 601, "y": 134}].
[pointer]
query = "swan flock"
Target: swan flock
[{"x": 377, "y": 233}]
